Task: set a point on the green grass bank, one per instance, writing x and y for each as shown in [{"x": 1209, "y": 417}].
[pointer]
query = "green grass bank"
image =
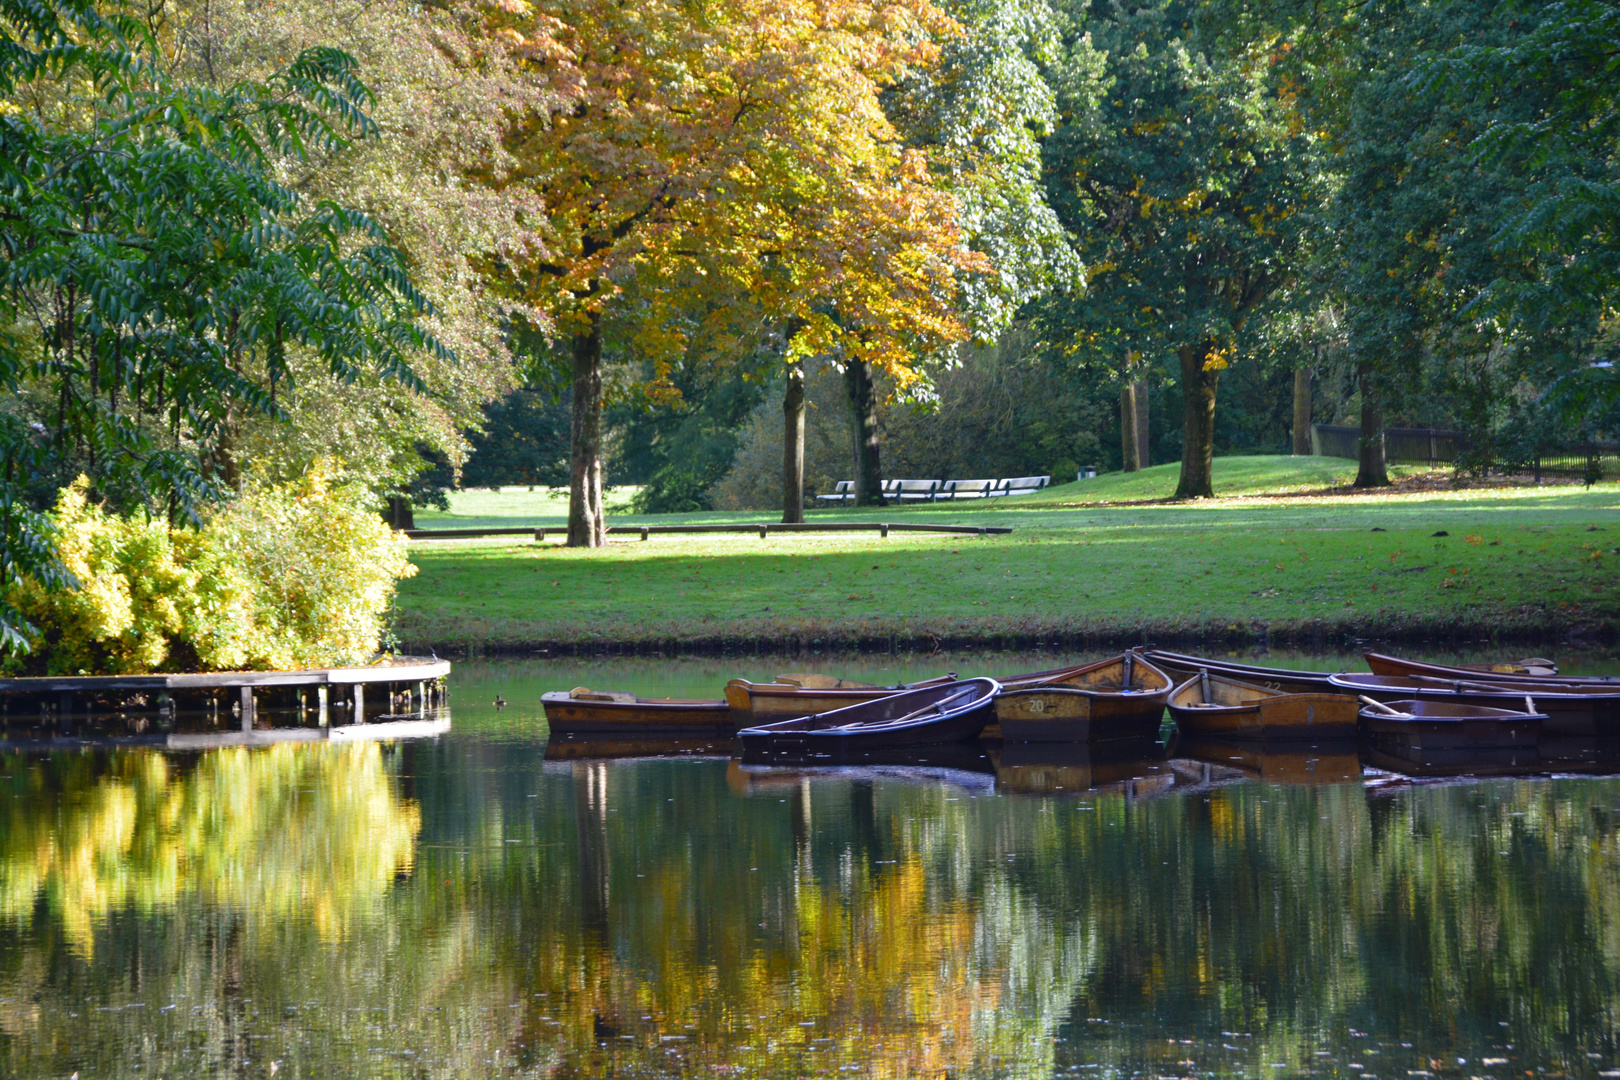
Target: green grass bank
[{"x": 1280, "y": 556}]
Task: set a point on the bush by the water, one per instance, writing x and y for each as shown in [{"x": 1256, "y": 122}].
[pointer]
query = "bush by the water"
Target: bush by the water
[{"x": 290, "y": 576}]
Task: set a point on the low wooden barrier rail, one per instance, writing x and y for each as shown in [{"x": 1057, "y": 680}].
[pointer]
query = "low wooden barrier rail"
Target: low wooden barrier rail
[{"x": 764, "y": 529}]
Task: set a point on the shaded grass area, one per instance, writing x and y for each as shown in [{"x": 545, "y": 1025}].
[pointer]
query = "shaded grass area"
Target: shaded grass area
[{"x": 1527, "y": 564}]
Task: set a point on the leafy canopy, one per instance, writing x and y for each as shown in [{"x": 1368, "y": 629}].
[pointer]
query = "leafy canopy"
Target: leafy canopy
[{"x": 156, "y": 272}]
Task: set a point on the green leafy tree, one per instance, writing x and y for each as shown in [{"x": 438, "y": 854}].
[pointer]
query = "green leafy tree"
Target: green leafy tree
[
  {"x": 156, "y": 271},
  {"x": 1186, "y": 176}
]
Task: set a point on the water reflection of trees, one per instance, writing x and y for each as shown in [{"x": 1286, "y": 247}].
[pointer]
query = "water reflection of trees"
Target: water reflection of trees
[{"x": 588, "y": 917}]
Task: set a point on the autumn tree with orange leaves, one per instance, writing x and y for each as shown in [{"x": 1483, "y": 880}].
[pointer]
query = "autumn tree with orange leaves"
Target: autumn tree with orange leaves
[{"x": 734, "y": 151}]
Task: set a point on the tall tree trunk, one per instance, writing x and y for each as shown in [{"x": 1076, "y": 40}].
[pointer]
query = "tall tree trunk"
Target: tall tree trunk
[
  {"x": 1373, "y": 470},
  {"x": 793, "y": 446},
  {"x": 863, "y": 426},
  {"x": 587, "y": 526},
  {"x": 1197, "y": 421},
  {"x": 1130, "y": 447},
  {"x": 1143, "y": 458},
  {"x": 1302, "y": 410}
]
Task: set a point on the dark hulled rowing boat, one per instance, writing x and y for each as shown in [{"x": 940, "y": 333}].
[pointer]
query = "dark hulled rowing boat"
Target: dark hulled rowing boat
[
  {"x": 952, "y": 712},
  {"x": 1443, "y": 725},
  {"x": 1571, "y": 709}
]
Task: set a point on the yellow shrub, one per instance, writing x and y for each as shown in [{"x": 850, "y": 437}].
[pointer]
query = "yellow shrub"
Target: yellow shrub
[
  {"x": 314, "y": 569},
  {"x": 291, "y": 576},
  {"x": 125, "y": 604}
]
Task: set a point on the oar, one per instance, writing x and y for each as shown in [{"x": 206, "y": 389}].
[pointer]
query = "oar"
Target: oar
[
  {"x": 1529, "y": 704},
  {"x": 1459, "y": 684},
  {"x": 1380, "y": 706}
]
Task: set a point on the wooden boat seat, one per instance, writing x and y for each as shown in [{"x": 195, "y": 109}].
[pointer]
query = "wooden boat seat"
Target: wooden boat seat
[{"x": 585, "y": 693}]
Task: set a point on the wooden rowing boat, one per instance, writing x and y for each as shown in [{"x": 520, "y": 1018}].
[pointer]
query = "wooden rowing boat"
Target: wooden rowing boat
[
  {"x": 1441, "y": 725},
  {"x": 1571, "y": 709},
  {"x": 1289, "y": 762},
  {"x": 1383, "y": 664},
  {"x": 1210, "y": 704},
  {"x": 583, "y": 711},
  {"x": 800, "y": 694},
  {"x": 1119, "y": 698},
  {"x": 1291, "y": 681},
  {"x": 951, "y": 712}
]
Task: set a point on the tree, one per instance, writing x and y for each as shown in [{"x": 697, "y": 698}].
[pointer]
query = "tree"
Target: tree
[
  {"x": 1185, "y": 175},
  {"x": 158, "y": 274},
  {"x": 718, "y": 151},
  {"x": 438, "y": 107}
]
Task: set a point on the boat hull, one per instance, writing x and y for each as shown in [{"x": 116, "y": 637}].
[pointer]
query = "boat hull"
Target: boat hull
[
  {"x": 1570, "y": 710},
  {"x": 961, "y": 710},
  {"x": 1383, "y": 664},
  {"x": 1062, "y": 714},
  {"x": 613, "y": 716},
  {"x": 1267, "y": 714},
  {"x": 1434, "y": 725},
  {"x": 1119, "y": 698}
]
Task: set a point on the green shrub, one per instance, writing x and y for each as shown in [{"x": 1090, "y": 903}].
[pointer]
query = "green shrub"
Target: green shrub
[
  {"x": 672, "y": 490},
  {"x": 289, "y": 576}
]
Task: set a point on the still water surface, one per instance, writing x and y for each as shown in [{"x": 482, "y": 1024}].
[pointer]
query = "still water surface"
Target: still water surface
[{"x": 467, "y": 907}]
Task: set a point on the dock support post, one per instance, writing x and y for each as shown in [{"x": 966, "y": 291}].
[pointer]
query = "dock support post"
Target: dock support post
[
  {"x": 323, "y": 706},
  {"x": 359, "y": 716},
  {"x": 421, "y": 699},
  {"x": 247, "y": 708}
]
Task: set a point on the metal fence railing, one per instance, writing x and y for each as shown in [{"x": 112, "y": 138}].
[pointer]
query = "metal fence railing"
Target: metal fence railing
[
  {"x": 1430, "y": 446},
  {"x": 1437, "y": 446}
]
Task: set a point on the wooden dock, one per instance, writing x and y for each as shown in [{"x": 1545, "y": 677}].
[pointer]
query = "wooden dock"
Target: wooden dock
[{"x": 321, "y": 701}]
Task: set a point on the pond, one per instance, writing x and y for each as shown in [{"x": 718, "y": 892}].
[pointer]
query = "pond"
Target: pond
[{"x": 468, "y": 907}]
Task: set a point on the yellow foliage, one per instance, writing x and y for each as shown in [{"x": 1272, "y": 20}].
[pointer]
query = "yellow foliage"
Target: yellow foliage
[{"x": 293, "y": 576}]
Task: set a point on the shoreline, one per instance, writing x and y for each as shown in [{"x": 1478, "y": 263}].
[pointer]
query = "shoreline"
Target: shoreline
[{"x": 1317, "y": 635}]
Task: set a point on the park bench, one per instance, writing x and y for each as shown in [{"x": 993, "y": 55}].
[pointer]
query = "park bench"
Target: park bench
[
  {"x": 843, "y": 492},
  {"x": 913, "y": 490},
  {"x": 1021, "y": 485},
  {"x": 967, "y": 489}
]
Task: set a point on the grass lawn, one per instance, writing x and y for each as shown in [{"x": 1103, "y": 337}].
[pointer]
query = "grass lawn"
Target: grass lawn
[{"x": 1271, "y": 557}]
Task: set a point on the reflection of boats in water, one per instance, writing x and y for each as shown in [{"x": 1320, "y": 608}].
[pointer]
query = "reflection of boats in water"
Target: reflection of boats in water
[
  {"x": 1135, "y": 768},
  {"x": 576, "y": 748},
  {"x": 1588, "y": 755},
  {"x": 1430, "y": 762},
  {"x": 963, "y": 765},
  {"x": 1118, "y": 698},
  {"x": 1288, "y": 762}
]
